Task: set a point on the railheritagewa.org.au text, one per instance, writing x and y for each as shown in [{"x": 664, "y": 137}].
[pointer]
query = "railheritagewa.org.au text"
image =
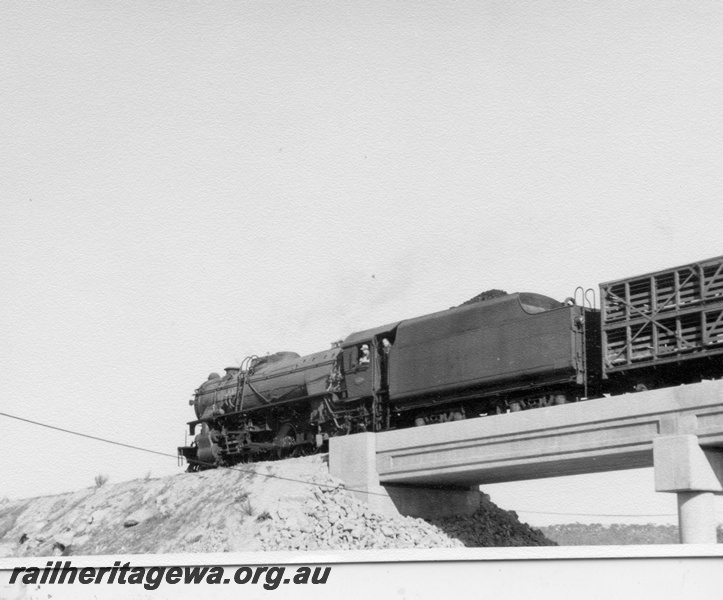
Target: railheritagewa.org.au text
[{"x": 151, "y": 578}]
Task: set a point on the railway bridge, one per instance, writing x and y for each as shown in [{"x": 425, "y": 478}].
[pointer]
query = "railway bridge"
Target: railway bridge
[{"x": 436, "y": 470}]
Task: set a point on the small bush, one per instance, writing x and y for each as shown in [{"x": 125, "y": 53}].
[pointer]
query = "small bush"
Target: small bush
[
  {"x": 247, "y": 508},
  {"x": 264, "y": 516},
  {"x": 101, "y": 480}
]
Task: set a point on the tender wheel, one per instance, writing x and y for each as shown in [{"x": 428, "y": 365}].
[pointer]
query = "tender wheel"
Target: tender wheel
[{"x": 645, "y": 385}]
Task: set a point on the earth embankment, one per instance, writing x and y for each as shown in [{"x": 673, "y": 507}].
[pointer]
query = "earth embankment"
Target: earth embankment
[{"x": 286, "y": 505}]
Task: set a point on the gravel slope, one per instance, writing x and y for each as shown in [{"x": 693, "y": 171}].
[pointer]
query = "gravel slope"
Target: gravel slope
[{"x": 293, "y": 504}]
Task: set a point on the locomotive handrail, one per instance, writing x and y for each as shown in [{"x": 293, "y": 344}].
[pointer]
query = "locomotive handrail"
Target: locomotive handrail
[
  {"x": 591, "y": 291},
  {"x": 584, "y": 297},
  {"x": 243, "y": 372}
]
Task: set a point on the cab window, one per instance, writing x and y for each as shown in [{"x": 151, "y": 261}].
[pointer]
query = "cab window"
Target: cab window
[{"x": 357, "y": 358}]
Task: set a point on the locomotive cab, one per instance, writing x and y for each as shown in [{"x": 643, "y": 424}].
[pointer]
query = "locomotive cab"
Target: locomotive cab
[{"x": 366, "y": 359}]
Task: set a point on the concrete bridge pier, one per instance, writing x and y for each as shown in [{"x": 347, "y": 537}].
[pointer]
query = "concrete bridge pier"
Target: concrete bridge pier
[
  {"x": 695, "y": 475},
  {"x": 353, "y": 458}
]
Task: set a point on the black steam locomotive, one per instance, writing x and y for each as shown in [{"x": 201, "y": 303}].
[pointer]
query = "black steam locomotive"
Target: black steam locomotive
[{"x": 497, "y": 353}]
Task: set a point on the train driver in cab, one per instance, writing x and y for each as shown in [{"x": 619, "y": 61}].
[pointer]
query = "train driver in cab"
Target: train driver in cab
[{"x": 364, "y": 355}]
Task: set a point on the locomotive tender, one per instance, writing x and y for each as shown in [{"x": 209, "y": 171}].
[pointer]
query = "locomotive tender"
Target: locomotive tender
[{"x": 497, "y": 353}]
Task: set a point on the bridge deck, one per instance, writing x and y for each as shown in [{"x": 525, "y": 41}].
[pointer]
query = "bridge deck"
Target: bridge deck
[{"x": 586, "y": 437}]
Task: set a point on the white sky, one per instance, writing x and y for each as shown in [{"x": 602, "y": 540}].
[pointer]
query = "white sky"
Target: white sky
[{"x": 186, "y": 184}]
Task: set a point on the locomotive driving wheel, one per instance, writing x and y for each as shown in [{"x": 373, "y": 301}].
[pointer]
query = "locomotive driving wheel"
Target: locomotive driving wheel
[{"x": 285, "y": 442}]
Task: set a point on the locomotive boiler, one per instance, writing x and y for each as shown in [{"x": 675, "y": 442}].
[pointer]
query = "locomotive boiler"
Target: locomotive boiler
[{"x": 499, "y": 353}]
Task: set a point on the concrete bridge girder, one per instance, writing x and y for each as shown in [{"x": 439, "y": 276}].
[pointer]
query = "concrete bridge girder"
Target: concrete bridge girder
[{"x": 677, "y": 430}]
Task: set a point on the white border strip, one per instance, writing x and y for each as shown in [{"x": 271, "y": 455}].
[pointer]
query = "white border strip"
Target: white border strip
[{"x": 380, "y": 556}]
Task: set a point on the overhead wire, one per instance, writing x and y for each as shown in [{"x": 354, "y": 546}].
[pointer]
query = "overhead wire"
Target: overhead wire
[
  {"x": 159, "y": 453},
  {"x": 273, "y": 476}
]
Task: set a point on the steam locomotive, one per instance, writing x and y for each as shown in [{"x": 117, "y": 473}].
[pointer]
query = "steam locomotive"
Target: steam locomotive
[{"x": 494, "y": 354}]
